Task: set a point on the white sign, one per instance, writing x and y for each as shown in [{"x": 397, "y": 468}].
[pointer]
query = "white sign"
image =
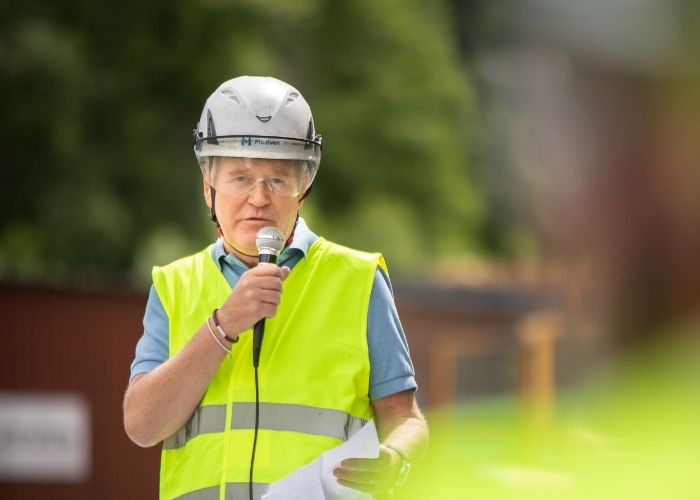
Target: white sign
[{"x": 44, "y": 437}]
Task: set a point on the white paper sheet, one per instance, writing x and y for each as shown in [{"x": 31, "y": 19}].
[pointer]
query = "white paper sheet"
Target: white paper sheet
[{"x": 315, "y": 481}]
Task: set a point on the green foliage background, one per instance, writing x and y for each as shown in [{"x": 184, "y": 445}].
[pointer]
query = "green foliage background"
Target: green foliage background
[{"x": 99, "y": 99}]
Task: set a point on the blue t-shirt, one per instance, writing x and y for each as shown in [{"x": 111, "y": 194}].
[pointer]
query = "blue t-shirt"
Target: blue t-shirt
[{"x": 391, "y": 370}]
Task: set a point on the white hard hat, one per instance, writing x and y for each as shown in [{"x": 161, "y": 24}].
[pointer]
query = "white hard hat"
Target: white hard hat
[{"x": 257, "y": 117}]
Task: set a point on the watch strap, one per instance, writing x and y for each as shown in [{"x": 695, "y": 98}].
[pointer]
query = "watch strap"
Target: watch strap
[{"x": 405, "y": 466}]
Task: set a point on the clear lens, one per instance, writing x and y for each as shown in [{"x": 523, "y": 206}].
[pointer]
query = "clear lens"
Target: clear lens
[{"x": 236, "y": 176}]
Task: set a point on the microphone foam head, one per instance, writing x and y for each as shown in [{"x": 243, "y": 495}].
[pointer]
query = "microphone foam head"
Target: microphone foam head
[{"x": 270, "y": 239}]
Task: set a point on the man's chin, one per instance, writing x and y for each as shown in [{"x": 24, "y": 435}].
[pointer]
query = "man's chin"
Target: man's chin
[
  {"x": 246, "y": 232},
  {"x": 242, "y": 241}
]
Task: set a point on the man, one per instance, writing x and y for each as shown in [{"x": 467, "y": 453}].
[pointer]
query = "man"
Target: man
[{"x": 333, "y": 356}]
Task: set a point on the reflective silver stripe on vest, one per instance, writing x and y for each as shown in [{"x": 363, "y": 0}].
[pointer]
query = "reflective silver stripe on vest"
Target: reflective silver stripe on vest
[
  {"x": 240, "y": 491},
  {"x": 206, "y": 419},
  {"x": 297, "y": 418},
  {"x": 211, "y": 493},
  {"x": 273, "y": 416},
  {"x": 234, "y": 491}
]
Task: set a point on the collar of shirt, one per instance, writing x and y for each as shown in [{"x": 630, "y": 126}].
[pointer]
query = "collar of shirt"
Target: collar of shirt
[{"x": 303, "y": 239}]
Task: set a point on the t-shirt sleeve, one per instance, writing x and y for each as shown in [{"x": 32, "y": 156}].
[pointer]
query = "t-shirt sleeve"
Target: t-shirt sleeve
[
  {"x": 391, "y": 369},
  {"x": 152, "y": 348}
]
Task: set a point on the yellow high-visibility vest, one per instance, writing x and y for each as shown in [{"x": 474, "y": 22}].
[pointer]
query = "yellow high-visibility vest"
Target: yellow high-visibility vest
[{"x": 313, "y": 374}]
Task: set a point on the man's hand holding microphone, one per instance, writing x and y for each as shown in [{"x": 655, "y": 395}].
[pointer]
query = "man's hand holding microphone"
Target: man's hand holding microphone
[
  {"x": 256, "y": 296},
  {"x": 258, "y": 292}
]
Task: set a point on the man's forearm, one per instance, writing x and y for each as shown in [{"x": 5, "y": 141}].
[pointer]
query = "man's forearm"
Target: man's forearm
[
  {"x": 411, "y": 437},
  {"x": 158, "y": 403},
  {"x": 400, "y": 423}
]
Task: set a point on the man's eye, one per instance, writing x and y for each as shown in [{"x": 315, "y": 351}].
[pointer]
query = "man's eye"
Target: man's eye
[
  {"x": 277, "y": 180},
  {"x": 240, "y": 178}
]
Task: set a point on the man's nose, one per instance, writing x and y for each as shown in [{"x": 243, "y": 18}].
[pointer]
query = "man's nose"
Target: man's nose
[{"x": 260, "y": 195}]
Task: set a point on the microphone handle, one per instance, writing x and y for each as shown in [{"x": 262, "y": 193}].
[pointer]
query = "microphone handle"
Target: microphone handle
[
  {"x": 259, "y": 328},
  {"x": 266, "y": 258},
  {"x": 258, "y": 332}
]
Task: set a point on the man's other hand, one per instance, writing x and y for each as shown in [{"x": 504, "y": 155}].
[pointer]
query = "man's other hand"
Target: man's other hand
[{"x": 371, "y": 475}]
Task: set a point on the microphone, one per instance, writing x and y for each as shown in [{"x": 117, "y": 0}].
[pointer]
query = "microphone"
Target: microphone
[{"x": 270, "y": 242}]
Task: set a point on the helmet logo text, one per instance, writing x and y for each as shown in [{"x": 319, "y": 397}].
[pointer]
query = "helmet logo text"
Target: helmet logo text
[{"x": 249, "y": 141}]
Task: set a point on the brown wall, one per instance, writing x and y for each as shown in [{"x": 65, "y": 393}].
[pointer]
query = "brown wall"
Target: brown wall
[{"x": 68, "y": 341}]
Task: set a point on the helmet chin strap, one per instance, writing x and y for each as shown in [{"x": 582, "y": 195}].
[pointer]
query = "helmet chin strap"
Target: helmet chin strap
[
  {"x": 291, "y": 236},
  {"x": 236, "y": 249}
]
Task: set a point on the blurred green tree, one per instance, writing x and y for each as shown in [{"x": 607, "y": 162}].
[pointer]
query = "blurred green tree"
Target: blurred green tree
[{"x": 100, "y": 97}]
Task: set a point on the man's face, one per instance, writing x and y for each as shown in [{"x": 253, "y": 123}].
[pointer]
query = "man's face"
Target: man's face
[{"x": 241, "y": 216}]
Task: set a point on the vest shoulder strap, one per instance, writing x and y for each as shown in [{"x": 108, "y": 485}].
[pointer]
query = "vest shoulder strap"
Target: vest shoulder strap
[{"x": 347, "y": 254}]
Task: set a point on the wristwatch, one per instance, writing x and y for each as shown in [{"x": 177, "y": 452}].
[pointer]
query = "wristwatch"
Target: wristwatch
[{"x": 405, "y": 466}]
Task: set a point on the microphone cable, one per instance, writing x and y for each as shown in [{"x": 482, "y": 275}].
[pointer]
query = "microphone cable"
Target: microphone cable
[
  {"x": 255, "y": 433},
  {"x": 270, "y": 242},
  {"x": 257, "y": 343}
]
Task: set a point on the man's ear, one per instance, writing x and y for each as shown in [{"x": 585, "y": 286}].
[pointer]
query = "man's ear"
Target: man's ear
[{"x": 207, "y": 193}]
